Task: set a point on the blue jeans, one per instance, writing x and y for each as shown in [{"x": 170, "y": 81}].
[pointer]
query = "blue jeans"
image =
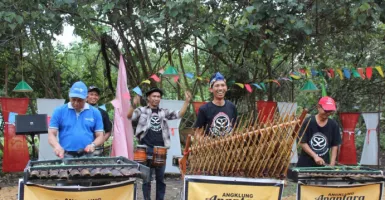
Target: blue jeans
[{"x": 159, "y": 177}]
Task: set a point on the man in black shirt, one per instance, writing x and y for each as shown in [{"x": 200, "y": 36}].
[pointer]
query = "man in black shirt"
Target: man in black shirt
[
  {"x": 218, "y": 116},
  {"x": 92, "y": 99},
  {"x": 321, "y": 136},
  {"x": 152, "y": 130}
]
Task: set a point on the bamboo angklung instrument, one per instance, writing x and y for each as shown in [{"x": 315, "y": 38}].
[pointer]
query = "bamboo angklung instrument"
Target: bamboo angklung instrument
[{"x": 252, "y": 149}]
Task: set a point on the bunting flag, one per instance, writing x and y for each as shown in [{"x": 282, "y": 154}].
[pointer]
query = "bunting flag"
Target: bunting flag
[
  {"x": 199, "y": 78},
  {"x": 331, "y": 71},
  {"x": 161, "y": 71},
  {"x": 176, "y": 78},
  {"x": 257, "y": 86},
  {"x": 361, "y": 72},
  {"x": 314, "y": 72},
  {"x": 263, "y": 86},
  {"x": 146, "y": 81},
  {"x": 155, "y": 77},
  {"x": 369, "y": 72},
  {"x": 379, "y": 69},
  {"x": 240, "y": 85},
  {"x": 302, "y": 71},
  {"x": 275, "y": 81},
  {"x": 339, "y": 71},
  {"x": 286, "y": 79},
  {"x": 308, "y": 73},
  {"x": 138, "y": 91},
  {"x": 248, "y": 88},
  {"x": 326, "y": 73},
  {"x": 295, "y": 75},
  {"x": 356, "y": 74},
  {"x": 347, "y": 73},
  {"x": 323, "y": 89},
  {"x": 189, "y": 75}
]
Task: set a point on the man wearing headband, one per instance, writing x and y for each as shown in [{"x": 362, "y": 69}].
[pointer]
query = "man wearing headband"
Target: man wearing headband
[
  {"x": 152, "y": 130},
  {"x": 321, "y": 136},
  {"x": 218, "y": 116}
]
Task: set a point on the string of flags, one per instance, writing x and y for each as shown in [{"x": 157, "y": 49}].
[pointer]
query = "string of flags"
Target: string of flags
[
  {"x": 170, "y": 71},
  {"x": 304, "y": 73},
  {"x": 342, "y": 73}
]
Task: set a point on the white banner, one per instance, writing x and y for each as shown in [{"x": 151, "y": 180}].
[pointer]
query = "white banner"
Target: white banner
[
  {"x": 370, "y": 151},
  {"x": 47, "y": 106},
  {"x": 173, "y": 125},
  {"x": 288, "y": 108}
]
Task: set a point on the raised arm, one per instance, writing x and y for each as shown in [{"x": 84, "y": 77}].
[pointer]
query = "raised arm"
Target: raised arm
[
  {"x": 186, "y": 103},
  {"x": 134, "y": 104}
]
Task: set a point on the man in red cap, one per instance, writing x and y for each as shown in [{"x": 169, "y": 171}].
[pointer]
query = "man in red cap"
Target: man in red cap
[{"x": 321, "y": 136}]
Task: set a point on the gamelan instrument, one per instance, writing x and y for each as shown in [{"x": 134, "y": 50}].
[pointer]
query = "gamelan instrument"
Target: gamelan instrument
[
  {"x": 336, "y": 173},
  {"x": 93, "y": 169}
]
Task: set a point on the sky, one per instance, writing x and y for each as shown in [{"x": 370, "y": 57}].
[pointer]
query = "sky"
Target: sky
[{"x": 67, "y": 37}]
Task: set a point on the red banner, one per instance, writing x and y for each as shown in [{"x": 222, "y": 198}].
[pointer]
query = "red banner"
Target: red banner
[
  {"x": 197, "y": 105},
  {"x": 348, "y": 153},
  {"x": 16, "y": 153},
  {"x": 266, "y": 110}
]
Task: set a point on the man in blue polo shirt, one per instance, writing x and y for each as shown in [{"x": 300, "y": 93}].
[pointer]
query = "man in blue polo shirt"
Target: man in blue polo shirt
[{"x": 79, "y": 125}]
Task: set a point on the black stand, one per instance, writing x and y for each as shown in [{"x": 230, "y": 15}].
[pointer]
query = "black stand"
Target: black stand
[
  {"x": 31, "y": 125},
  {"x": 34, "y": 157}
]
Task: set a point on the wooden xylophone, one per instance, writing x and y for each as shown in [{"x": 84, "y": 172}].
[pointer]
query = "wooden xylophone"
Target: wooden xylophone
[
  {"x": 336, "y": 173},
  {"x": 93, "y": 169},
  {"x": 254, "y": 149}
]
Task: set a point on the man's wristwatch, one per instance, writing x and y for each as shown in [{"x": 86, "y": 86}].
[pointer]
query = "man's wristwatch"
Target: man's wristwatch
[{"x": 93, "y": 145}]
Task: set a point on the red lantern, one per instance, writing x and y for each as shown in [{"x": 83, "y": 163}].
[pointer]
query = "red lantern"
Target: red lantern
[
  {"x": 197, "y": 105},
  {"x": 266, "y": 110},
  {"x": 348, "y": 154}
]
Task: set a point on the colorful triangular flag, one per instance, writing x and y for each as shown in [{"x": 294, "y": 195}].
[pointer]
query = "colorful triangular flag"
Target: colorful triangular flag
[
  {"x": 339, "y": 71},
  {"x": 257, "y": 86},
  {"x": 146, "y": 81},
  {"x": 138, "y": 91},
  {"x": 176, "y": 78},
  {"x": 248, "y": 88},
  {"x": 355, "y": 73},
  {"x": 379, "y": 69},
  {"x": 155, "y": 77},
  {"x": 189, "y": 75},
  {"x": 240, "y": 85},
  {"x": 369, "y": 72}
]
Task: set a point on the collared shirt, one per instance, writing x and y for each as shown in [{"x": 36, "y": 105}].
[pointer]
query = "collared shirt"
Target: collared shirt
[
  {"x": 76, "y": 130},
  {"x": 144, "y": 116}
]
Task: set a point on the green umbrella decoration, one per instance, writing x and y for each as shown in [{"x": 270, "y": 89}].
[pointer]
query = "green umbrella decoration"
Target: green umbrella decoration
[{"x": 309, "y": 87}]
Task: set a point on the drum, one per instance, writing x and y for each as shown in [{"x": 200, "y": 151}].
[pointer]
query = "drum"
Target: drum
[
  {"x": 140, "y": 154},
  {"x": 175, "y": 160},
  {"x": 159, "y": 156}
]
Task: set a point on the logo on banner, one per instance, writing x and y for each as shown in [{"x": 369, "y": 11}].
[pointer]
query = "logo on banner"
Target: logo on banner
[
  {"x": 319, "y": 144},
  {"x": 346, "y": 192},
  {"x": 340, "y": 196},
  {"x": 233, "y": 196}
]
